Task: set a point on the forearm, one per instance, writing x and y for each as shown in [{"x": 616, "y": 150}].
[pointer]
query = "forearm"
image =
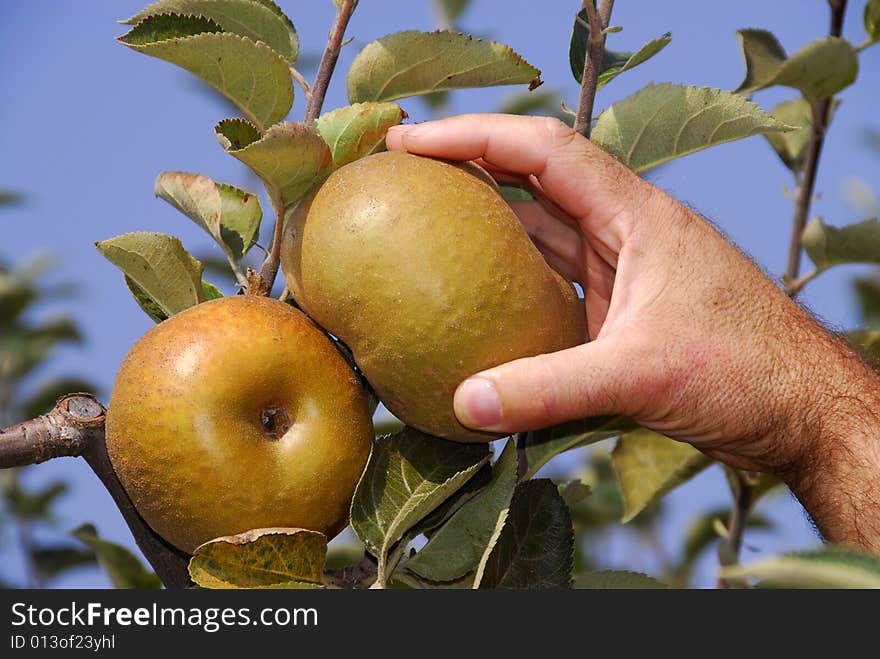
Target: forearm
[{"x": 838, "y": 478}]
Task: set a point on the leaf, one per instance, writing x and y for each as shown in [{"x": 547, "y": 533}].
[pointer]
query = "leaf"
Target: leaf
[
  {"x": 855, "y": 243},
  {"x": 160, "y": 268},
  {"x": 867, "y": 342},
  {"x": 261, "y": 558},
  {"x": 830, "y": 567},
  {"x": 290, "y": 158},
  {"x": 642, "y": 55},
  {"x": 701, "y": 534},
  {"x": 248, "y": 73},
  {"x": 49, "y": 562},
  {"x": 540, "y": 101},
  {"x": 457, "y": 546},
  {"x": 649, "y": 465},
  {"x": 413, "y": 63},
  {"x": 259, "y": 20},
  {"x": 358, "y": 130},
  {"x": 541, "y": 446},
  {"x": 230, "y": 216},
  {"x": 662, "y": 122},
  {"x": 121, "y": 566},
  {"x": 617, "y": 580},
  {"x": 868, "y": 294},
  {"x": 613, "y": 63},
  {"x": 211, "y": 292},
  {"x": 36, "y": 505},
  {"x": 535, "y": 549},
  {"x": 409, "y": 474},
  {"x": 575, "y": 492},
  {"x": 819, "y": 69},
  {"x": 871, "y": 19},
  {"x": 10, "y": 198},
  {"x": 791, "y": 146},
  {"x": 44, "y": 398}
]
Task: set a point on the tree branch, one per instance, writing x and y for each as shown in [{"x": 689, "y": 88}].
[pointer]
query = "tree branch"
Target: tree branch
[
  {"x": 262, "y": 283},
  {"x": 592, "y": 63},
  {"x": 743, "y": 487},
  {"x": 75, "y": 427},
  {"x": 328, "y": 60},
  {"x": 821, "y": 112}
]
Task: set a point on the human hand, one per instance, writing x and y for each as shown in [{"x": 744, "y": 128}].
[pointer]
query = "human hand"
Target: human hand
[{"x": 689, "y": 337}]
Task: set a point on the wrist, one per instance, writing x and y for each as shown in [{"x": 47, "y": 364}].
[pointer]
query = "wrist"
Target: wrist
[{"x": 836, "y": 472}]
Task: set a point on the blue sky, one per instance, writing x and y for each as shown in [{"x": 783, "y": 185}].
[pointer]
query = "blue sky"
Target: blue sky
[{"x": 88, "y": 124}]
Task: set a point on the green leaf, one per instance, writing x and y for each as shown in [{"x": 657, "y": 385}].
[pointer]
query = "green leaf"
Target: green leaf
[
  {"x": 871, "y": 19},
  {"x": 701, "y": 534},
  {"x": 791, "y": 146},
  {"x": 413, "y": 63},
  {"x": 613, "y": 63},
  {"x": 575, "y": 492},
  {"x": 409, "y": 474},
  {"x": 662, "y": 122},
  {"x": 830, "y": 567},
  {"x": 535, "y": 549},
  {"x": 358, "y": 130},
  {"x": 649, "y": 465},
  {"x": 855, "y": 243},
  {"x": 37, "y": 505},
  {"x": 867, "y": 342},
  {"x": 261, "y": 558},
  {"x": 457, "y": 546},
  {"x": 49, "y": 562},
  {"x": 515, "y": 193},
  {"x": 259, "y": 20},
  {"x": 211, "y": 292},
  {"x": 543, "y": 445},
  {"x": 10, "y": 198},
  {"x": 868, "y": 294},
  {"x": 541, "y": 101},
  {"x": 819, "y": 69},
  {"x": 230, "y": 216},
  {"x": 290, "y": 158},
  {"x": 160, "y": 268},
  {"x": 617, "y": 580},
  {"x": 642, "y": 55},
  {"x": 122, "y": 567},
  {"x": 250, "y": 74},
  {"x": 44, "y": 398}
]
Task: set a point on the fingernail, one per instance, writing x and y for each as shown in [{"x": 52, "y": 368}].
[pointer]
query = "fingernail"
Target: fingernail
[{"x": 477, "y": 404}]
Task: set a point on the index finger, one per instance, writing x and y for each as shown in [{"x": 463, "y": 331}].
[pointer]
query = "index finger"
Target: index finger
[{"x": 581, "y": 178}]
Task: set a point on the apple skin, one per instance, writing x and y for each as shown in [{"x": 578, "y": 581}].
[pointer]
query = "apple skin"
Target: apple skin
[{"x": 197, "y": 429}]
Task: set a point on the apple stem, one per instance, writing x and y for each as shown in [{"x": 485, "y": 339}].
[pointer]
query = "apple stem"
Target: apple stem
[
  {"x": 592, "y": 63},
  {"x": 75, "y": 427}
]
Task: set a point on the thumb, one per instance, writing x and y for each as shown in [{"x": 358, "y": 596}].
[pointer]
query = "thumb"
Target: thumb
[{"x": 536, "y": 392}]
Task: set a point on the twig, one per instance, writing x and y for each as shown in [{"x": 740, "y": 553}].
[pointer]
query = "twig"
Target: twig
[
  {"x": 269, "y": 269},
  {"x": 592, "y": 63},
  {"x": 75, "y": 427},
  {"x": 792, "y": 288},
  {"x": 328, "y": 60},
  {"x": 744, "y": 497},
  {"x": 301, "y": 81},
  {"x": 821, "y": 112}
]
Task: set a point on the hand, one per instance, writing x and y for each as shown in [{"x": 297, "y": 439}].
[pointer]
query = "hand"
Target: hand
[{"x": 689, "y": 337}]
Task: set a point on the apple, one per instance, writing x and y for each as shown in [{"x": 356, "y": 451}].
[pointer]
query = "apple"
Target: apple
[{"x": 238, "y": 413}]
